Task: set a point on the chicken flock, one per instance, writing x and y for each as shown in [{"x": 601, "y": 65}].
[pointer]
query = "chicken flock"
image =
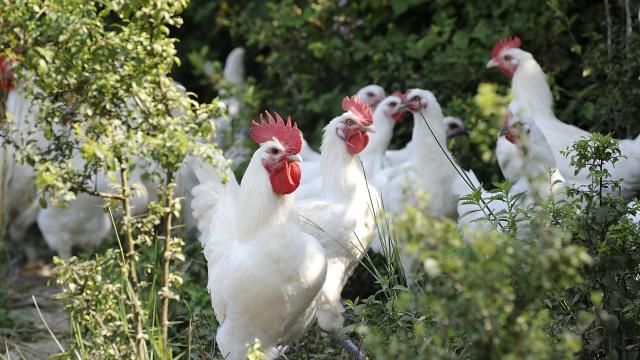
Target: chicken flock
[{"x": 293, "y": 230}]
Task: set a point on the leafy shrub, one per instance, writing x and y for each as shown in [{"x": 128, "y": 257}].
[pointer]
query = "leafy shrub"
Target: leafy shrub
[
  {"x": 99, "y": 74},
  {"x": 598, "y": 220},
  {"x": 485, "y": 299}
]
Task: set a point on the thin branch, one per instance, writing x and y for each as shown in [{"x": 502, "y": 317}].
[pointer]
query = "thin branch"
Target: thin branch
[
  {"x": 105, "y": 195},
  {"x": 131, "y": 259},
  {"x": 166, "y": 263}
]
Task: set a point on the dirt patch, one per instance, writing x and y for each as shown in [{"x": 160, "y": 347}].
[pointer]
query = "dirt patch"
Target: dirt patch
[{"x": 28, "y": 337}]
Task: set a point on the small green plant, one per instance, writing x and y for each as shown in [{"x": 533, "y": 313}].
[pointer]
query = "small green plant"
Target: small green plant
[{"x": 604, "y": 309}]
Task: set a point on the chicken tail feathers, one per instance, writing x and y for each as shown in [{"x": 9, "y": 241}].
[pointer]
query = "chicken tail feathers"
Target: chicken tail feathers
[{"x": 208, "y": 194}]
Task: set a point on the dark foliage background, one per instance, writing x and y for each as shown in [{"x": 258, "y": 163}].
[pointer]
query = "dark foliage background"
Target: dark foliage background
[{"x": 306, "y": 55}]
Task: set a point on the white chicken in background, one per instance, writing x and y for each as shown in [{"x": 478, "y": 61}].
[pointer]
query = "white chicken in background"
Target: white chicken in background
[
  {"x": 83, "y": 222},
  {"x": 385, "y": 116},
  {"x": 342, "y": 219},
  {"x": 536, "y": 175},
  {"x": 453, "y": 127},
  {"x": 18, "y": 194},
  {"x": 232, "y": 141},
  {"x": 389, "y": 111},
  {"x": 372, "y": 95},
  {"x": 531, "y": 89},
  {"x": 264, "y": 272},
  {"x": 233, "y": 74},
  {"x": 427, "y": 169}
]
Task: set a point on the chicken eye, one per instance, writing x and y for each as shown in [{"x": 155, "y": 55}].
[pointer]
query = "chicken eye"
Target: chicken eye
[
  {"x": 508, "y": 58},
  {"x": 274, "y": 151},
  {"x": 349, "y": 122},
  {"x": 393, "y": 104},
  {"x": 415, "y": 99},
  {"x": 370, "y": 94}
]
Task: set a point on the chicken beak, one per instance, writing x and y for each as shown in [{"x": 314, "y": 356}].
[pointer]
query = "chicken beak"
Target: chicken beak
[
  {"x": 456, "y": 132},
  {"x": 295, "y": 157},
  {"x": 492, "y": 63},
  {"x": 504, "y": 131},
  {"x": 369, "y": 128}
]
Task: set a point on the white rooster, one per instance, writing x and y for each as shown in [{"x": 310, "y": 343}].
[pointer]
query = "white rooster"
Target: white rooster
[
  {"x": 531, "y": 89},
  {"x": 264, "y": 272},
  {"x": 389, "y": 111},
  {"x": 342, "y": 218},
  {"x": 372, "y": 95}
]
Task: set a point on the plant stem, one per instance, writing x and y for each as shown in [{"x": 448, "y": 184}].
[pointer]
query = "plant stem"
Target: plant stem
[
  {"x": 131, "y": 259},
  {"x": 166, "y": 260}
]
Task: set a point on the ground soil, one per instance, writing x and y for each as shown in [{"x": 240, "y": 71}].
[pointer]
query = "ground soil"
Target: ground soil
[{"x": 28, "y": 338}]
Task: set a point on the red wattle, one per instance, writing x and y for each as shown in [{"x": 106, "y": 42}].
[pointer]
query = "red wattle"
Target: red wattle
[
  {"x": 511, "y": 138},
  {"x": 286, "y": 178},
  {"x": 398, "y": 116},
  {"x": 357, "y": 142},
  {"x": 507, "y": 70}
]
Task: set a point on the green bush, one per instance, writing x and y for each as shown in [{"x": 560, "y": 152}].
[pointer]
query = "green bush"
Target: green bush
[
  {"x": 566, "y": 287},
  {"x": 99, "y": 73},
  {"x": 480, "y": 300},
  {"x": 305, "y": 56},
  {"x": 597, "y": 219}
]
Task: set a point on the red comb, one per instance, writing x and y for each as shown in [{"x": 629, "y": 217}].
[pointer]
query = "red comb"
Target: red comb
[
  {"x": 6, "y": 75},
  {"x": 358, "y": 108},
  {"x": 286, "y": 133},
  {"x": 506, "y": 43}
]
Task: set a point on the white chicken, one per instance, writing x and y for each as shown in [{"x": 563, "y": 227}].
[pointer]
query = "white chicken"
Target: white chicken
[
  {"x": 537, "y": 176},
  {"x": 233, "y": 141},
  {"x": 427, "y": 169},
  {"x": 372, "y": 95},
  {"x": 19, "y": 190},
  {"x": 385, "y": 116},
  {"x": 235, "y": 144},
  {"x": 18, "y": 194},
  {"x": 83, "y": 222},
  {"x": 389, "y": 111},
  {"x": 530, "y": 88},
  {"x": 264, "y": 272},
  {"x": 453, "y": 127},
  {"x": 342, "y": 218}
]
